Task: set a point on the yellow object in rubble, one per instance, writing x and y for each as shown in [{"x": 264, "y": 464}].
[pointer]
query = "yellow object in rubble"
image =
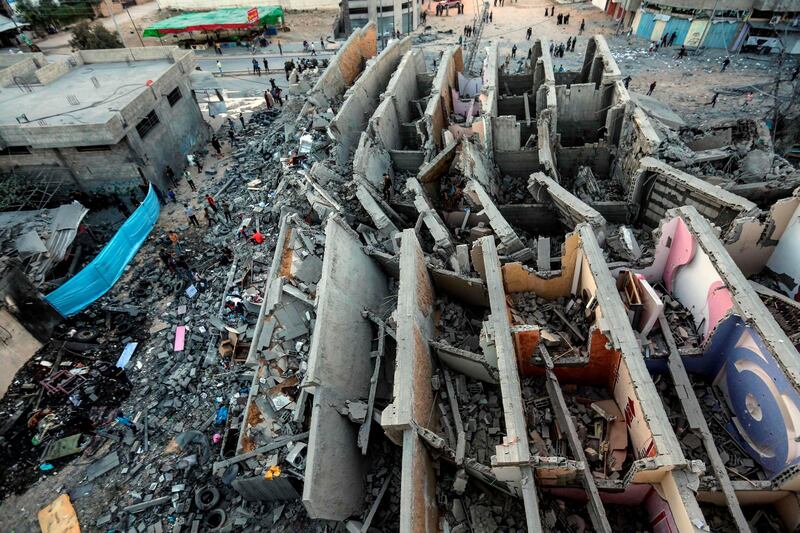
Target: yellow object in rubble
[{"x": 272, "y": 472}]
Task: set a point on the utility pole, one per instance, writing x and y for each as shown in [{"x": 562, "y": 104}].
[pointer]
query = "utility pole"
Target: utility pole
[
  {"x": 134, "y": 27},
  {"x": 119, "y": 33}
]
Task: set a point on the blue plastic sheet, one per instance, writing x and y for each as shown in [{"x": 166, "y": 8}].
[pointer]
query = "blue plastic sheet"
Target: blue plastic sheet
[{"x": 102, "y": 273}]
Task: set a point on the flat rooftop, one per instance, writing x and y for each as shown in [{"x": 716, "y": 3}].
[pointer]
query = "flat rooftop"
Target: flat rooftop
[{"x": 118, "y": 84}]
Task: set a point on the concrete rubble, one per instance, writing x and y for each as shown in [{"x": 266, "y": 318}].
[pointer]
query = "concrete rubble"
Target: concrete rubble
[{"x": 507, "y": 300}]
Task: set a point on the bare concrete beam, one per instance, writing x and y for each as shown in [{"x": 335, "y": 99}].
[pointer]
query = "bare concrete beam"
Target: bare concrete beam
[
  {"x": 514, "y": 449},
  {"x": 572, "y": 210},
  {"x": 382, "y": 222},
  {"x": 696, "y": 419},
  {"x": 439, "y": 165},
  {"x": 461, "y": 442},
  {"x": 596, "y": 510},
  {"x": 512, "y": 245},
  {"x": 412, "y": 395},
  {"x": 471, "y": 364}
]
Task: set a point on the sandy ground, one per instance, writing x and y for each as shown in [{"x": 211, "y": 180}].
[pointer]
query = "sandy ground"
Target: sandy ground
[{"x": 686, "y": 85}]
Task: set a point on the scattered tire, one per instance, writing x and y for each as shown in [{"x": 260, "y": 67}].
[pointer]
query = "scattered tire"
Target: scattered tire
[
  {"x": 206, "y": 498},
  {"x": 215, "y": 520}
]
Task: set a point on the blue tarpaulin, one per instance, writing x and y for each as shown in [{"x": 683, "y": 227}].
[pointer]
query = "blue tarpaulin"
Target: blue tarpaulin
[{"x": 102, "y": 273}]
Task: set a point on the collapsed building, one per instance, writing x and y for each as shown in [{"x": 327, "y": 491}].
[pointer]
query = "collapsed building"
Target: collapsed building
[{"x": 493, "y": 305}]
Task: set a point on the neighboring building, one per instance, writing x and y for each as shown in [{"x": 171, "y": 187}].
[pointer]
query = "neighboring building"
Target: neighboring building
[
  {"x": 103, "y": 119},
  {"x": 388, "y": 15},
  {"x": 747, "y": 25},
  {"x": 26, "y": 321}
]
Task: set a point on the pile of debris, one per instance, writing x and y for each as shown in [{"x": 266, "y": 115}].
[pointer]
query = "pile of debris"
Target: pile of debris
[{"x": 564, "y": 323}]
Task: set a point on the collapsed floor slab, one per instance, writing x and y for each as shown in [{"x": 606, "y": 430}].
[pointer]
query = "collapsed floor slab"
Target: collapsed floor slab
[{"x": 339, "y": 369}]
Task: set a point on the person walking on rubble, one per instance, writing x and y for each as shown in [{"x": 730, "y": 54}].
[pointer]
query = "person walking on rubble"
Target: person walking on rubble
[
  {"x": 166, "y": 258},
  {"x": 189, "y": 180},
  {"x": 626, "y": 81},
  {"x": 681, "y": 52},
  {"x": 219, "y": 67},
  {"x": 713, "y": 102},
  {"x": 725, "y": 63},
  {"x": 184, "y": 270},
  {"x": 216, "y": 144},
  {"x": 226, "y": 210},
  {"x": 528, "y": 33},
  {"x": 652, "y": 88},
  {"x": 126, "y": 421},
  {"x": 208, "y": 215},
  {"x": 514, "y": 51},
  {"x": 231, "y": 136},
  {"x": 212, "y": 203},
  {"x": 189, "y": 210}
]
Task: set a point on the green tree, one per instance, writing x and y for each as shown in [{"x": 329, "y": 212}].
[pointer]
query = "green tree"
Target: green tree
[{"x": 86, "y": 36}]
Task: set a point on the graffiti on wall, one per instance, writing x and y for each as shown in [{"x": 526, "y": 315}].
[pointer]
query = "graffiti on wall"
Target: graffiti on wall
[{"x": 764, "y": 404}]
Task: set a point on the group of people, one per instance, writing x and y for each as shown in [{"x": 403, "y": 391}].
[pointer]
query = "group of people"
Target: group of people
[
  {"x": 558, "y": 50},
  {"x": 257, "y": 67},
  {"x": 560, "y": 18},
  {"x": 501, "y": 2},
  {"x": 468, "y": 31},
  {"x": 445, "y": 9},
  {"x": 273, "y": 95}
]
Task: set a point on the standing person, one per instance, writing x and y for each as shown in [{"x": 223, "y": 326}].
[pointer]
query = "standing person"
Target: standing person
[
  {"x": 528, "y": 33},
  {"x": 231, "y": 136},
  {"x": 559, "y": 18},
  {"x": 664, "y": 39},
  {"x": 313, "y": 49},
  {"x": 212, "y": 203},
  {"x": 241, "y": 119},
  {"x": 266, "y": 99},
  {"x": 566, "y": 19},
  {"x": 626, "y": 81},
  {"x": 387, "y": 187},
  {"x": 681, "y": 52},
  {"x": 256, "y": 68},
  {"x": 217, "y": 47},
  {"x": 546, "y": 12},
  {"x": 514, "y": 51},
  {"x": 219, "y": 66},
  {"x": 652, "y": 88},
  {"x": 552, "y": 47},
  {"x": 277, "y": 95},
  {"x": 189, "y": 180},
  {"x": 583, "y": 26},
  {"x": 189, "y": 210},
  {"x": 216, "y": 144},
  {"x": 569, "y": 43},
  {"x": 266, "y": 66},
  {"x": 173, "y": 238},
  {"x": 226, "y": 210},
  {"x": 672, "y": 37},
  {"x": 574, "y": 40},
  {"x": 170, "y": 174},
  {"x": 272, "y": 83},
  {"x": 280, "y": 48},
  {"x": 725, "y": 63},
  {"x": 490, "y": 16}
]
